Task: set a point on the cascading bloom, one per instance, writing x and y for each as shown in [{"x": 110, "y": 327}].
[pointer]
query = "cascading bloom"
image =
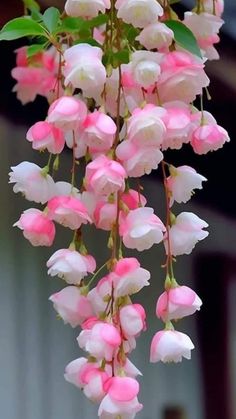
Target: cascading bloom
[
  {"x": 138, "y": 12},
  {"x": 44, "y": 135},
  {"x": 186, "y": 231},
  {"x": 208, "y": 137},
  {"x": 71, "y": 306},
  {"x": 84, "y": 69},
  {"x": 178, "y": 123},
  {"x": 156, "y": 36},
  {"x": 141, "y": 228},
  {"x": 145, "y": 68},
  {"x": 105, "y": 176},
  {"x": 176, "y": 303},
  {"x": 37, "y": 227},
  {"x": 70, "y": 265},
  {"x": 132, "y": 320},
  {"x": 170, "y": 346},
  {"x": 32, "y": 181},
  {"x": 182, "y": 182},
  {"x": 67, "y": 113},
  {"x": 128, "y": 277},
  {"x": 86, "y": 8},
  {"x": 99, "y": 132},
  {"x": 68, "y": 211},
  {"x": 121, "y": 399}
]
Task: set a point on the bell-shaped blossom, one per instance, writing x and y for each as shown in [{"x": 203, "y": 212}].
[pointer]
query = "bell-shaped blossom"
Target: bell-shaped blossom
[
  {"x": 205, "y": 27},
  {"x": 121, "y": 399},
  {"x": 44, "y": 135},
  {"x": 178, "y": 122},
  {"x": 156, "y": 36},
  {"x": 68, "y": 211},
  {"x": 87, "y": 376},
  {"x": 105, "y": 214},
  {"x": 105, "y": 176},
  {"x": 145, "y": 67},
  {"x": 101, "y": 341},
  {"x": 84, "y": 69},
  {"x": 176, "y": 303},
  {"x": 32, "y": 182},
  {"x": 67, "y": 113},
  {"x": 182, "y": 77},
  {"x": 70, "y": 265},
  {"x": 139, "y": 13},
  {"x": 128, "y": 277},
  {"x": 133, "y": 199},
  {"x": 186, "y": 231},
  {"x": 146, "y": 127},
  {"x": 86, "y": 8},
  {"x": 132, "y": 319},
  {"x": 182, "y": 182},
  {"x": 138, "y": 160},
  {"x": 99, "y": 131},
  {"x": 71, "y": 306},
  {"x": 66, "y": 189},
  {"x": 208, "y": 137},
  {"x": 141, "y": 228},
  {"x": 170, "y": 346},
  {"x": 37, "y": 227},
  {"x": 100, "y": 295}
]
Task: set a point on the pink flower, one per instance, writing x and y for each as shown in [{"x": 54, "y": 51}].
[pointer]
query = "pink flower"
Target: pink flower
[
  {"x": 100, "y": 295},
  {"x": 182, "y": 182},
  {"x": 84, "y": 69},
  {"x": 99, "y": 131},
  {"x": 132, "y": 199},
  {"x": 145, "y": 68},
  {"x": 104, "y": 176},
  {"x": 186, "y": 231},
  {"x": 156, "y": 36},
  {"x": 70, "y": 265},
  {"x": 208, "y": 137},
  {"x": 37, "y": 228},
  {"x": 170, "y": 346},
  {"x": 68, "y": 211},
  {"x": 178, "y": 122},
  {"x": 139, "y": 13},
  {"x": 105, "y": 215},
  {"x": 182, "y": 77},
  {"x": 132, "y": 320},
  {"x": 141, "y": 228},
  {"x": 67, "y": 113},
  {"x": 71, "y": 306},
  {"x": 83, "y": 8},
  {"x": 176, "y": 303},
  {"x": 101, "y": 341},
  {"x": 87, "y": 376},
  {"x": 32, "y": 182},
  {"x": 128, "y": 277},
  {"x": 121, "y": 399},
  {"x": 45, "y": 136}
]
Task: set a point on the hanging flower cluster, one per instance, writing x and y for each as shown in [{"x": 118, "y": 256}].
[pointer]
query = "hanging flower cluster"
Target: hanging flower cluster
[{"x": 120, "y": 77}]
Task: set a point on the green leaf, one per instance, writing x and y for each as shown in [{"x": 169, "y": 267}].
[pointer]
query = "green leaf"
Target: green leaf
[
  {"x": 89, "y": 41},
  {"x": 34, "y": 49},
  {"x": 97, "y": 21},
  {"x": 130, "y": 32},
  {"x": 184, "y": 37},
  {"x": 31, "y": 5},
  {"x": 20, "y": 27},
  {"x": 120, "y": 57},
  {"x": 71, "y": 24},
  {"x": 51, "y": 18}
]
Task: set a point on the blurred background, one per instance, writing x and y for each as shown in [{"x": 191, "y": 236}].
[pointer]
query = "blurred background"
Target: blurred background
[{"x": 35, "y": 346}]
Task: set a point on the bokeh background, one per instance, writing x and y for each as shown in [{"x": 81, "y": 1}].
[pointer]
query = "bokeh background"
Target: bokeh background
[{"x": 35, "y": 346}]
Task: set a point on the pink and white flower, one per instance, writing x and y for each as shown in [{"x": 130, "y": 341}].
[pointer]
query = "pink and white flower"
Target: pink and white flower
[
  {"x": 141, "y": 228},
  {"x": 156, "y": 36},
  {"x": 32, "y": 181},
  {"x": 145, "y": 67},
  {"x": 70, "y": 265},
  {"x": 139, "y": 13},
  {"x": 44, "y": 135},
  {"x": 67, "y": 113},
  {"x": 182, "y": 182},
  {"x": 186, "y": 231},
  {"x": 128, "y": 277},
  {"x": 132, "y": 320},
  {"x": 99, "y": 131},
  {"x": 178, "y": 122},
  {"x": 71, "y": 306},
  {"x": 86, "y": 8},
  {"x": 121, "y": 399},
  {"x": 208, "y": 137},
  {"x": 170, "y": 346},
  {"x": 37, "y": 227},
  {"x": 176, "y": 303},
  {"x": 68, "y": 211}
]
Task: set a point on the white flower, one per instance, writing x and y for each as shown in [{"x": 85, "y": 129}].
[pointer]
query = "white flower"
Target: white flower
[
  {"x": 182, "y": 181},
  {"x": 139, "y": 12},
  {"x": 170, "y": 346},
  {"x": 145, "y": 67}
]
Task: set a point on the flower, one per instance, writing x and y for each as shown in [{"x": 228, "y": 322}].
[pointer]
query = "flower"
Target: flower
[
  {"x": 156, "y": 36},
  {"x": 141, "y": 228},
  {"x": 37, "y": 227},
  {"x": 132, "y": 320},
  {"x": 170, "y": 346},
  {"x": 86, "y": 9},
  {"x": 67, "y": 113},
  {"x": 186, "y": 231},
  {"x": 70, "y": 265},
  {"x": 208, "y": 137},
  {"x": 44, "y": 135},
  {"x": 176, "y": 303},
  {"x": 32, "y": 181},
  {"x": 71, "y": 306},
  {"x": 99, "y": 131},
  {"x": 128, "y": 277},
  {"x": 182, "y": 181},
  {"x": 68, "y": 211},
  {"x": 139, "y": 13},
  {"x": 145, "y": 67}
]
